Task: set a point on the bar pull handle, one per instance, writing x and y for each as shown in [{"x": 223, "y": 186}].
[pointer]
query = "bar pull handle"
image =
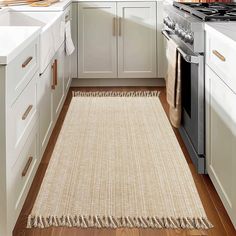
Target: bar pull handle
[
  {"x": 55, "y": 71},
  {"x": 114, "y": 26},
  {"x": 219, "y": 55},
  {"x": 26, "y": 113},
  {"x": 54, "y": 76},
  {"x": 25, "y": 170},
  {"x": 26, "y": 62},
  {"x": 120, "y": 21}
]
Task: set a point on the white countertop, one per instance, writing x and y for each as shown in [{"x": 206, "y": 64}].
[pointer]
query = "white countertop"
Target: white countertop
[
  {"x": 228, "y": 29},
  {"x": 13, "y": 39},
  {"x": 59, "y": 6}
]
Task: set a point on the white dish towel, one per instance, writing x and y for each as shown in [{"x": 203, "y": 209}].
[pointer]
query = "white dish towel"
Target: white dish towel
[{"x": 69, "y": 43}]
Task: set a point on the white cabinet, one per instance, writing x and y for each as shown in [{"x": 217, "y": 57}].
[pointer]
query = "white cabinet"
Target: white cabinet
[
  {"x": 67, "y": 71},
  {"x": 51, "y": 96},
  {"x": 19, "y": 133},
  {"x": 45, "y": 101},
  {"x": 136, "y": 39},
  {"x": 221, "y": 139},
  {"x": 97, "y": 40},
  {"x": 117, "y": 40},
  {"x": 58, "y": 77}
]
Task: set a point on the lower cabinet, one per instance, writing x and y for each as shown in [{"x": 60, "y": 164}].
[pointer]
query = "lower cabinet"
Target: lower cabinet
[
  {"x": 51, "y": 94},
  {"x": 58, "y": 81},
  {"x": 117, "y": 40},
  {"x": 21, "y": 176},
  {"x": 137, "y": 39},
  {"x": 67, "y": 71},
  {"x": 97, "y": 52},
  {"x": 221, "y": 139},
  {"x": 45, "y": 103}
]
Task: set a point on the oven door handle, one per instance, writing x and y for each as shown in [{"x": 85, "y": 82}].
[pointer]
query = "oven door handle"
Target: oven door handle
[
  {"x": 166, "y": 34},
  {"x": 188, "y": 58}
]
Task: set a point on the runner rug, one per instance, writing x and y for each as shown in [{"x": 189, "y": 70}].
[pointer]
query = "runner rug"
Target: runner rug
[{"x": 117, "y": 163}]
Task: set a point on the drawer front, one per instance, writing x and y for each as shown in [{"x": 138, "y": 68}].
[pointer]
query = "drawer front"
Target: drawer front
[
  {"x": 21, "y": 70},
  {"x": 220, "y": 56},
  {"x": 21, "y": 117},
  {"x": 21, "y": 175}
]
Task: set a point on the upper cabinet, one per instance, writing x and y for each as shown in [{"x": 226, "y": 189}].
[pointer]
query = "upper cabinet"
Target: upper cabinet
[
  {"x": 97, "y": 40},
  {"x": 117, "y": 40},
  {"x": 136, "y": 39}
]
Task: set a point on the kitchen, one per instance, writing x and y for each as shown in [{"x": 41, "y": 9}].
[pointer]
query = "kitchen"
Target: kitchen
[{"x": 107, "y": 72}]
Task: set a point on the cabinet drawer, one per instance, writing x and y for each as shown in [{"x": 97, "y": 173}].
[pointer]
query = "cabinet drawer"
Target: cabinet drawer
[
  {"x": 220, "y": 56},
  {"x": 20, "y": 176},
  {"x": 21, "y": 70},
  {"x": 21, "y": 117}
]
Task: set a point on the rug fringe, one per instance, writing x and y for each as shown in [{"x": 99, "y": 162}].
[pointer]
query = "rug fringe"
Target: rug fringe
[
  {"x": 117, "y": 222},
  {"x": 116, "y": 94}
]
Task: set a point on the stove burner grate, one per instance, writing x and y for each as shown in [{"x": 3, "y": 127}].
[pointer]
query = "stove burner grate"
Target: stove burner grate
[{"x": 209, "y": 11}]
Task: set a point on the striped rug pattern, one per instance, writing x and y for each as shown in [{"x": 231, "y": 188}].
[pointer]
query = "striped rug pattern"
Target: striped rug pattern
[{"x": 117, "y": 163}]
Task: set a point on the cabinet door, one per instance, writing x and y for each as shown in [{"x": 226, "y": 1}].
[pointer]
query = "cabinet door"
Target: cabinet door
[
  {"x": 67, "y": 73},
  {"x": 58, "y": 91},
  {"x": 221, "y": 139},
  {"x": 137, "y": 39},
  {"x": 97, "y": 40},
  {"x": 45, "y": 103}
]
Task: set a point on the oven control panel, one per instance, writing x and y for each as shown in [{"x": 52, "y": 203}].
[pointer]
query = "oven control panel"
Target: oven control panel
[{"x": 178, "y": 30}]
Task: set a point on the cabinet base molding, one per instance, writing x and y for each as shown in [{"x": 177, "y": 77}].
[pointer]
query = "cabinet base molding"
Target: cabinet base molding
[{"x": 117, "y": 82}]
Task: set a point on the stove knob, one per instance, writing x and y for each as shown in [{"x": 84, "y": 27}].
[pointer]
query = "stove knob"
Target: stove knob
[
  {"x": 189, "y": 38},
  {"x": 172, "y": 25},
  {"x": 183, "y": 34},
  {"x": 179, "y": 32},
  {"x": 165, "y": 21}
]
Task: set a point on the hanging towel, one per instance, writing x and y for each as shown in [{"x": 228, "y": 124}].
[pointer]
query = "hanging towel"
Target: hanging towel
[
  {"x": 69, "y": 43},
  {"x": 173, "y": 83}
]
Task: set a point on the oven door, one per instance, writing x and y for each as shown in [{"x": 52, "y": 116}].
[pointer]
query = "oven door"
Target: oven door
[
  {"x": 192, "y": 80},
  {"x": 192, "y": 83}
]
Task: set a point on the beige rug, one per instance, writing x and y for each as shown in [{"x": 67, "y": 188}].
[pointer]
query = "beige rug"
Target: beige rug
[{"x": 117, "y": 163}]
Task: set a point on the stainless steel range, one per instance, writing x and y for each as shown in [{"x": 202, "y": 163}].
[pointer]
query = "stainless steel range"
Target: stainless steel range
[{"x": 185, "y": 25}]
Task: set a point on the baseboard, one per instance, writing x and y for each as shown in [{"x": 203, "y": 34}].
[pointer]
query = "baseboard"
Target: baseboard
[{"x": 104, "y": 82}]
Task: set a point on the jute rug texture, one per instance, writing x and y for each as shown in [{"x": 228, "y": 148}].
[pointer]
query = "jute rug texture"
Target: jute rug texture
[{"x": 117, "y": 163}]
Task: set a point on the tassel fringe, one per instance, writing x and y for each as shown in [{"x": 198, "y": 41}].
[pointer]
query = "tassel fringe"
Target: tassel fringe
[
  {"x": 116, "y": 94},
  {"x": 117, "y": 222}
]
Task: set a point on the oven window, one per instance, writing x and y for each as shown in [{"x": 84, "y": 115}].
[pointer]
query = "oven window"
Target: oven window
[{"x": 186, "y": 86}]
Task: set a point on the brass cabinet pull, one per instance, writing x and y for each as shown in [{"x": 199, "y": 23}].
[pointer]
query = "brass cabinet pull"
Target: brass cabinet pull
[
  {"x": 26, "y": 62},
  {"x": 120, "y": 19},
  {"x": 56, "y": 72},
  {"x": 25, "y": 170},
  {"x": 54, "y": 76},
  {"x": 114, "y": 26},
  {"x": 26, "y": 113},
  {"x": 220, "y": 56}
]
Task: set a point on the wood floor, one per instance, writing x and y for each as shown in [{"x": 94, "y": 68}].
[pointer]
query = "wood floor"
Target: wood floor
[{"x": 211, "y": 202}]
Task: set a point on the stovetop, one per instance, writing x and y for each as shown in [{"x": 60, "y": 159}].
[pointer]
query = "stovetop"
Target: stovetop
[{"x": 214, "y": 11}]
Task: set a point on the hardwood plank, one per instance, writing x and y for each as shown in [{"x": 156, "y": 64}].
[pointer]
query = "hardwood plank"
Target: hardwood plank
[
  {"x": 171, "y": 232},
  {"x": 127, "y": 232},
  {"x": 210, "y": 199}
]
